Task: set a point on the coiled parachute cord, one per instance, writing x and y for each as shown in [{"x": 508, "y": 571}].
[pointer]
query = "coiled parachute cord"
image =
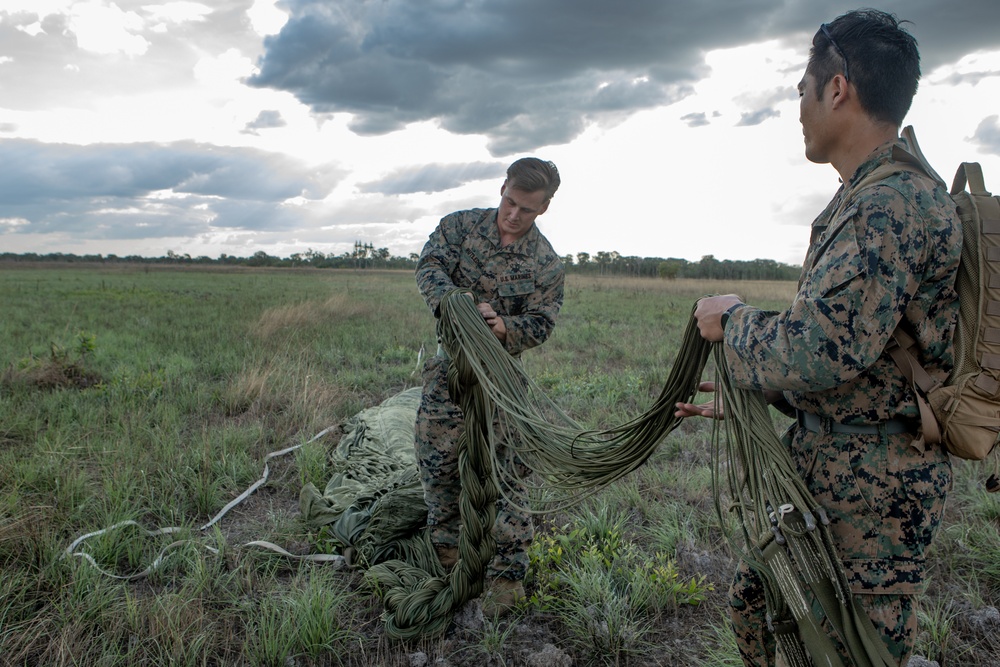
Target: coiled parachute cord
[
  {"x": 784, "y": 532},
  {"x": 785, "y": 535},
  {"x": 568, "y": 462},
  {"x": 485, "y": 380}
]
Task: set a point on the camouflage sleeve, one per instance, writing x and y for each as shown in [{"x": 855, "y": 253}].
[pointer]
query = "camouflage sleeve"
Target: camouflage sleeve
[
  {"x": 847, "y": 306},
  {"x": 534, "y": 325},
  {"x": 439, "y": 259}
]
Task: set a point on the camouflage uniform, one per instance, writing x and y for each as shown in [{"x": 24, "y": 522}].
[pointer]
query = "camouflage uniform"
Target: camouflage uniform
[
  {"x": 523, "y": 282},
  {"x": 891, "y": 254}
]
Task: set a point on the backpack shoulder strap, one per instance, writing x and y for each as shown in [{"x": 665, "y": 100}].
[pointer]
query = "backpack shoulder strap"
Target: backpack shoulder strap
[
  {"x": 971, "y": 173},
  {"x": 921, "y": 382},
  {"x": 902, "y": 342}
]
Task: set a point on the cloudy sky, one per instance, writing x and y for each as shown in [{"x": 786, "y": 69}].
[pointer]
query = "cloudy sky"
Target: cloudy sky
[{"x": 233, "y": 126}]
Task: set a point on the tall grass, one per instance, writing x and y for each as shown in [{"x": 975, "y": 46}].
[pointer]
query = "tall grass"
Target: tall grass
[{"x": 153, "y": 396}]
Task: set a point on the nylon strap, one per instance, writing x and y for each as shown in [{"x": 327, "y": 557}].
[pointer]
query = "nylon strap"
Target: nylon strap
[
  {"x": 971, "y": 173},
  {"x": 917, "y": 157},
  {"x": 851, "y": 623},
  {"x": 922, "y": 384},
  {"x": 988, "y": 385},
  {"x": 72, "y": 552},
  {"x": 816, "y": 642}
]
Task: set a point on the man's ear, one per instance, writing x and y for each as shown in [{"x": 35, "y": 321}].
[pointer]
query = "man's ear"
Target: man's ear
[
  {"x": 839, "y": 90},
  {"x": 544, "y": 207},
  {"x": 503, "y": 188}
]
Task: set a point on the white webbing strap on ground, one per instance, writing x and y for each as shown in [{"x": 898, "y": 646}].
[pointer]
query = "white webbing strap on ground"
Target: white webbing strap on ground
[
  {"x": 71, "y": 549},
  {"x": 324, "y": 558}
]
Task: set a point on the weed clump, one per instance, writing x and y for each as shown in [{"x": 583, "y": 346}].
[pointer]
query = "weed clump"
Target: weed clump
[{"x": 63, "y": 368}]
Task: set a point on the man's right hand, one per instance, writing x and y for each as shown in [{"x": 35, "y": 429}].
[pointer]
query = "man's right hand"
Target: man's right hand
[{"x": 494, "y": 321}]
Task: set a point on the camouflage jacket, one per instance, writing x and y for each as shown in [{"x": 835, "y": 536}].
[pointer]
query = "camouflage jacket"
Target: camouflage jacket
[
  {"x": 522, "y": 281},
  {"x": 890, "y": 254}
]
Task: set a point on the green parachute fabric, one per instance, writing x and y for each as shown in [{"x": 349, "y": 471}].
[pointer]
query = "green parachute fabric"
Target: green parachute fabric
[{"x": 373, "y": 506}]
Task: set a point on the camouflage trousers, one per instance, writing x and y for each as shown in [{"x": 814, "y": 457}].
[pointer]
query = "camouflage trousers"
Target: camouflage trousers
[
  {"x": 884, "y": 500},
  {"x": 438, "y": 427}
]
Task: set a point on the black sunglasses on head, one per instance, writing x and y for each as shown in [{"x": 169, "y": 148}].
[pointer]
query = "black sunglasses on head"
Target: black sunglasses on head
[{"x": 836, "y": 47}]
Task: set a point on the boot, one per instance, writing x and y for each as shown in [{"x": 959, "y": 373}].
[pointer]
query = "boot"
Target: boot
[
  {"x": 501, "y": 596},
  {"x": 447, "y": 555}
]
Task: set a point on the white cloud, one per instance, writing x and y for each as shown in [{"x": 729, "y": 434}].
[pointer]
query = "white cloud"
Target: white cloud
[
  {"x": 107, "y": 29},
  {"x": 33, "y": 29},
  {"x": 654, "y": 163},
  {"x": 225, "y": 70},
  {"x": 266, "y": 18},
  {"x": 13, "y": 223},
  {"x": 178, "y": 12}
]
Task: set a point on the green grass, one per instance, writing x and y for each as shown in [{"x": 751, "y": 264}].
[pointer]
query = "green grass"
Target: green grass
[{"x": 153, "y": 395}]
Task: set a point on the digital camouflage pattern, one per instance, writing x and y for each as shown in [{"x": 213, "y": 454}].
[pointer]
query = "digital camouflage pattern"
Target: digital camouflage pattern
[
  {"x": 891, "y": 254},
  {"x": 523, "y": 282},
  {"x": 887, "y": 253}
]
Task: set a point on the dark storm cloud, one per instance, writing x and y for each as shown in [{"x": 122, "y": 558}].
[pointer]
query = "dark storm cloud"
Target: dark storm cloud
[
  {"x": 525, "y": 74},
  {"x": 530, "y": 74},
  {"x": 32, "y": 170},
  {"x": 121, "y": 190},
  {"x": 435, "y": 178}
]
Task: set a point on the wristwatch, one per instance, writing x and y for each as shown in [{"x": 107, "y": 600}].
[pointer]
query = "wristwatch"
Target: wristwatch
[{"x": 729, "y": 311}]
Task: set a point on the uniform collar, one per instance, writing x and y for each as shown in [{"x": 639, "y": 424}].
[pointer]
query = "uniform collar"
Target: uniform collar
[
  {"x": 525, "y": 245},
  {"x": 877, "y": 157}
]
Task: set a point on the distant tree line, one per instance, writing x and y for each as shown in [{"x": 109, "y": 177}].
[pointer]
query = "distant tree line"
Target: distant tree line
[
  {"x": 366, "y": 256},
  {"x": 615, "y": 264},
  {"x": 363, "y": 256}
]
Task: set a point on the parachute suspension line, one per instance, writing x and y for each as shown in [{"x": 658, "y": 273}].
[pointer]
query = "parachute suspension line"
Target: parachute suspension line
[
  {"x": 421, "y": 603},
  {"x": 784, "y": 532},
  {"x": 573, "y": 462},
  {"x": 785, "y": 536}
]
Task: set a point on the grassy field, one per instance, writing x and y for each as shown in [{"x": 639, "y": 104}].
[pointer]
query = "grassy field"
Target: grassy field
[{"x": 154, "y": 395}]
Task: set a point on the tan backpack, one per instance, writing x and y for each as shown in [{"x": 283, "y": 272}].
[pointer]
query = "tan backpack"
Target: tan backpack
[{"x": 963, "y": 412}]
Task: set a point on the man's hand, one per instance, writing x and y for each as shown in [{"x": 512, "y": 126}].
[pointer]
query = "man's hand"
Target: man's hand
[
  {"x": 494, "y": 321},
  {"x": 708, "y": 312},
  {"x": 700, "y": 409}
]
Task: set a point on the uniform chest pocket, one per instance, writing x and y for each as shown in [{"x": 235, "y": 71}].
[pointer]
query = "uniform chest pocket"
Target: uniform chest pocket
[
  {"x": 470, "y": 267},
  {"x": 516, "y": 288},
  {"x": 838, "y": 260}
]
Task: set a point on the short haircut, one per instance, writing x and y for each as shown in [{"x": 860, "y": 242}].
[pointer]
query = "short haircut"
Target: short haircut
[
  {"x": 881, "y": 58},
  {"x": 531, "y": 175}
]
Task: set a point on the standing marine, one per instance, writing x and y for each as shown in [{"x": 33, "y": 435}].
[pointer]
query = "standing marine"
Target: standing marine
[
  {"x": 882, "y": 255},
  {"x": 517, "y": 279}
]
